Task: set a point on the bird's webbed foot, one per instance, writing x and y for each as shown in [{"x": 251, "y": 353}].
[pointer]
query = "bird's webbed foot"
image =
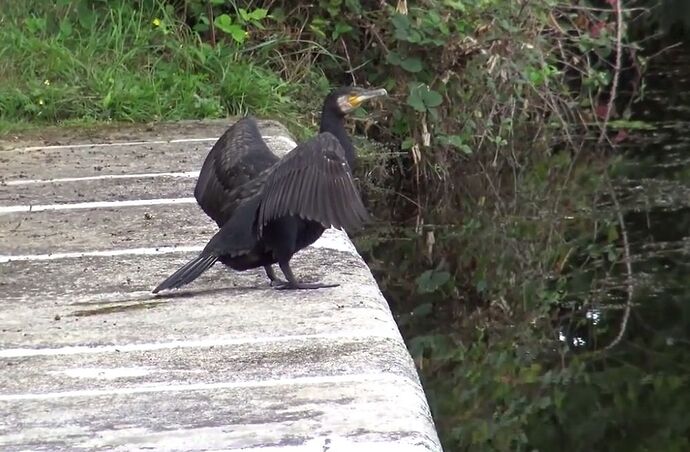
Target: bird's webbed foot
[{"x": 278, "y": 282}]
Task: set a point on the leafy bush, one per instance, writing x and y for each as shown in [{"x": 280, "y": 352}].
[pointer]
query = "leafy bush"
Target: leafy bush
[{"x": 494, "y": 246}]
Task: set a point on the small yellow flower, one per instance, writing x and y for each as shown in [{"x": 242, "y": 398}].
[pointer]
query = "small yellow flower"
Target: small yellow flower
[
  {"x": 156, "y": 22},
  {"x": 46, "y": 82},
  {"x": 40, "y": 101}
]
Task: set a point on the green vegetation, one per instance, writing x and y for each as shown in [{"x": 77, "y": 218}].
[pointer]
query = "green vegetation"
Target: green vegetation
[
  {"x": 80, "y": 61},
  {"x": 493, "y": 247}
]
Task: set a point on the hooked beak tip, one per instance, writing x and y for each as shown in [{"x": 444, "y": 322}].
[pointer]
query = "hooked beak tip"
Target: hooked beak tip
[{"x": 371, "y": 95}]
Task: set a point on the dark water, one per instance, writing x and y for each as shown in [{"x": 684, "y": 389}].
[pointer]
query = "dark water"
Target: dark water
[{"x": 653, "y": 186}]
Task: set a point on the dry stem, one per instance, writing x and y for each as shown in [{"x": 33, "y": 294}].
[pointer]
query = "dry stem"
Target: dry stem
[
  {"x": 628, "y": 267},
  {"x": 617, "y": 68}
]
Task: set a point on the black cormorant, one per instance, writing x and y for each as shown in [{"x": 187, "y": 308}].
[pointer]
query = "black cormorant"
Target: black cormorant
[{"x": 269, "y": 208}]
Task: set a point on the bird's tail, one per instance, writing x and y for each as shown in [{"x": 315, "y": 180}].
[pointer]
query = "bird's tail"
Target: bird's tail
[{"x": 188, "y": 272}]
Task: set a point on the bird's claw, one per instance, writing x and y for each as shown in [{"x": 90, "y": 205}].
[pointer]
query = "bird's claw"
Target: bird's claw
[{"x": 278, "y": 282}]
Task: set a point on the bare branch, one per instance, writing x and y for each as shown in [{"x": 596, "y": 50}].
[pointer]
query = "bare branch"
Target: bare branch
[
  {"x": 617, "y": 68},
  {"x": 628, "y": 267}
]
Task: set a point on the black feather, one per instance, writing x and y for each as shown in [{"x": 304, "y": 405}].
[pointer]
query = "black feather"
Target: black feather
[
  {"x": 314, "y": 182},
  {"x": 188, "y": 272},
  {"x": 238, "y": 157}
]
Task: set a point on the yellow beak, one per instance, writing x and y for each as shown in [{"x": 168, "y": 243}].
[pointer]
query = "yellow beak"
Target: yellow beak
[{"x": 357, "y": 99}]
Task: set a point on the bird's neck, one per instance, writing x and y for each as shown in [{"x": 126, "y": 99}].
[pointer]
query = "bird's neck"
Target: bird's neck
[{"x": 335, "y": 123}]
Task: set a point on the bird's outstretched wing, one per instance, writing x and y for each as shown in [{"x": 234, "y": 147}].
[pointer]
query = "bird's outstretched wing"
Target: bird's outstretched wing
[
  {"x": 239, "y": 156},
  {"x": 314, "y": 182}
]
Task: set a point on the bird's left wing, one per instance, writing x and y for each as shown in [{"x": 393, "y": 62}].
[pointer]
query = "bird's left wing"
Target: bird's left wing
[
  {"x": 237, "y": 158},
  {"x": 314, "y": 182}
]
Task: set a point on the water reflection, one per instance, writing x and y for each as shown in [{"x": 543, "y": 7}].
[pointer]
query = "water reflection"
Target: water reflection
[{"x": 653, "y": 186}]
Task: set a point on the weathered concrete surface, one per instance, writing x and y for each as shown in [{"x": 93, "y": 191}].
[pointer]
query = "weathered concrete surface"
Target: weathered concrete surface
[
  {"x": 104, "y": 228},
  {"x": 120, "y": 189},
  {"x": 90, "y": 359}
]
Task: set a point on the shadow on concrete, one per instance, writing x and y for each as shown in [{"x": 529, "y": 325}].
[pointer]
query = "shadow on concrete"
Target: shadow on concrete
[{"x": 152, "y": 301}]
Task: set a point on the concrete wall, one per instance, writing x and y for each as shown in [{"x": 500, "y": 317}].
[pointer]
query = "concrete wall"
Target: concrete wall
[{"x": 89, "y": 358}]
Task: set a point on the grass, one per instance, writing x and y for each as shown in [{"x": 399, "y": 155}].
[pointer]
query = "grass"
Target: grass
[{"x": 66, "y": 63}]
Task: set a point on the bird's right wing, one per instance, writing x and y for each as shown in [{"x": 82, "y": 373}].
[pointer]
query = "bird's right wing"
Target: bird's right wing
[
  {"x": 314, "y": 182},
  {"x": 238, "y": 156}
]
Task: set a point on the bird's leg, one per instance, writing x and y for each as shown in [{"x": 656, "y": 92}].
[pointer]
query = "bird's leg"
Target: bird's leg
[
  {"x": 272, "y": 276},
  {"x": 293, "y": 284}
]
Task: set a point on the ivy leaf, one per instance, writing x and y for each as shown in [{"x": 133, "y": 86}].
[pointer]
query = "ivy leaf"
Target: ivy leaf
[
  {"x": 612, "y": 234},
  {"x": 412, "y": 64},
  {"x": 432, "y": 98},
  {"x": 422, "y": 98},
  {"x": 431, "y": 280},
  {"x": 438, "y": 344},
  {"x": 85, "y": 15},
  {"x": 423, "y": 310},
  {"x": 341, "y": 29},
  {"x": 258, "y": 14},
  {"x": 402, "y": 27},
  {"x": 238, "y": 33},
  {"x": 456, "y": 141},
  {"x": 202, "y": 25},
  {"x": 414, "y": 37},
  {"x": 224, "y": 23},
  {"x": 354, "y": 6},
  {"x": 401, "y": 22},
  {"x": 456, "y": 4},
  {"x": 66, "y": 28},
  {"x": 404, "y": 30},
  {"x": 393, "y": 58},
  {"x": 414, "y": 100}
]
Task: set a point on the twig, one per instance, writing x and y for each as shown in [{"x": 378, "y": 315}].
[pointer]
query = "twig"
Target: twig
[
  {"x": 376, "y": 35},
  {"x": 522, "y": 8},
  {"x": 617, "y": 68},
  {"x": 628, "y": 267},
  {"x": 601, "y": 10},
  {"x": 349, "y": 62},
  {"x": 211, "y": 24},
  {"x": 397, "y": 193},
  {"x": 665, "y": 49}
]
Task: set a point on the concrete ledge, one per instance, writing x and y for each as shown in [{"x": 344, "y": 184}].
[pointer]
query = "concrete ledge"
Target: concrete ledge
[{"x": 91, "y": 359}]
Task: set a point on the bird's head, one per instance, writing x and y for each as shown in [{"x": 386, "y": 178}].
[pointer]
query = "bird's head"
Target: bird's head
[{"x": 348, "y": 98}]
